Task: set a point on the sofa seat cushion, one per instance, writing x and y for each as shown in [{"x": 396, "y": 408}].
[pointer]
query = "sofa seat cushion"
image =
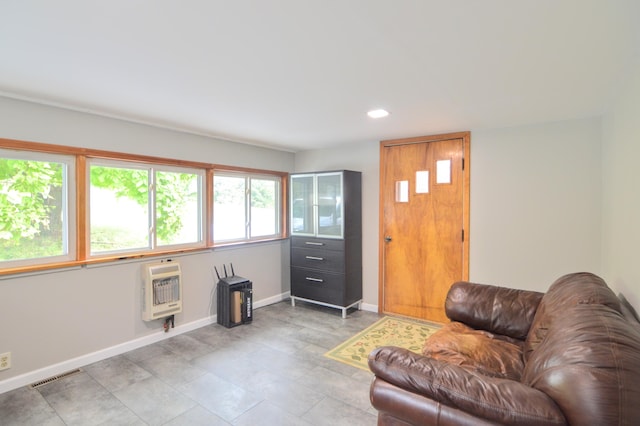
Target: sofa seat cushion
[{"x": 476, "y": 350}]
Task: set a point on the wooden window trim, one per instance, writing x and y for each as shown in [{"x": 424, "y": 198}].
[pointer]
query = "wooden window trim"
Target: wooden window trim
[{"x": 81, "y": 182}]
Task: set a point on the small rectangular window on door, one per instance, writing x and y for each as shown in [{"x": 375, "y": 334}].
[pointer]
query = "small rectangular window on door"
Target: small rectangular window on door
[
  {"x": 422, "y": 182},
  {"x": 443, "y": 172},
  {"x": 402, "y": 191}
]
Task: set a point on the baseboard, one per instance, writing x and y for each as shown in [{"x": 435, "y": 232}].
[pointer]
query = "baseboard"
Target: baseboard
[
  {"x": 71, "y": 364},
  {"x": 369, "y": 307},
  {"x": 271, "y": 300}
]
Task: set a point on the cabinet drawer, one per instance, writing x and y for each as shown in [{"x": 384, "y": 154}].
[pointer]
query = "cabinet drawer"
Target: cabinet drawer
[
  {"x": 332, "y": 261},
  {"x": 317, "y": 285},
  {"x": 321, "y": 243}
]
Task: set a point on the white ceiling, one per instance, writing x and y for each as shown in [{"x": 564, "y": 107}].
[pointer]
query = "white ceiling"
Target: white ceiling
[{"x": 301, "y": 74}]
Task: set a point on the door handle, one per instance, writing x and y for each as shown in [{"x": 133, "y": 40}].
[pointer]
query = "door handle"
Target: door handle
[{"x": 387, "y": 238}]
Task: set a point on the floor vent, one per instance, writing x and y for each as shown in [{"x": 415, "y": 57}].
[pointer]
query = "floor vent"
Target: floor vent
[{"x": 54, "y": 378}]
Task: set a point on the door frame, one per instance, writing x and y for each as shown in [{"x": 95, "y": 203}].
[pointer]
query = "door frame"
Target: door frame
[{"x": 466, "y": 181}]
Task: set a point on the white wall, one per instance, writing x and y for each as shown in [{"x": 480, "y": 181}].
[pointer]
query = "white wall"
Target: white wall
[
  {"x": 621, "y": 152},
  {"x": 39, "y": 123},
  {"x": 365, "y": 158},
  {"x": 56, "y": 321},
  {"x": 535, "y": 202}
]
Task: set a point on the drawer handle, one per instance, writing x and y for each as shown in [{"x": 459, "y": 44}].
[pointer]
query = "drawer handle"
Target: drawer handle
[
  {"x": 314, "y": 258},
  {"x": 313, "y": 243},
  {"x": 315, "y": 280}
]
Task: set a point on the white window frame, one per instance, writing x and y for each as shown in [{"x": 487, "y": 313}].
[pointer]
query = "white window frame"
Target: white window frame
[
  {"x": 152, "y": 169},
  {"x": 69, "y": 213},
  {"x": 201, "y": 173},
  {"x": 248, "y": 177}
]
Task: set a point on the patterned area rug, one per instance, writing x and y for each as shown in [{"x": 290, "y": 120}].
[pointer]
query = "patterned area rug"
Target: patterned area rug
[{"x": 388, "y": 331}]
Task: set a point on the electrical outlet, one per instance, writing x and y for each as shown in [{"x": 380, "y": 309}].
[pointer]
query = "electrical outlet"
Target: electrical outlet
[{"x": 5, "y": 361}]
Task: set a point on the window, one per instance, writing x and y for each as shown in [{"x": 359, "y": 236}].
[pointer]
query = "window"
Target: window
[
  {"x": 178, "y": 207},
  {"x": 62, "y": 206},
  {"x": 136, "y": 207},
  {"x": 246, "y": 207},
  {"x": 37, "y": 208}
]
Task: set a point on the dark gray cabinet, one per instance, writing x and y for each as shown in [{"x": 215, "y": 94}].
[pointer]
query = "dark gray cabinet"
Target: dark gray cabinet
[{"x": 326, "y": 238}]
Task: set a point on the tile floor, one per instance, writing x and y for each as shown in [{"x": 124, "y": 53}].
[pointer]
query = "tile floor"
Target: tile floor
[{"x": 269, "y": 372}]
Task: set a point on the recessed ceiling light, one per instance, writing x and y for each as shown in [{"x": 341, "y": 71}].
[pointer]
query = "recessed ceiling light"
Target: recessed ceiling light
[{"x": 378, "y": 113}]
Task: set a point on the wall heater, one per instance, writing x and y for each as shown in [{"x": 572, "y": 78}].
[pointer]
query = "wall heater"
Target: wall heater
[{"x": 161, "y": 290}]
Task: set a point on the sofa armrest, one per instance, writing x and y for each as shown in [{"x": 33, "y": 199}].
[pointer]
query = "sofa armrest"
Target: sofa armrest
[
  {"x": 499, "y": 310},
  {"x": 397, "y": 406},
  {"x": 496, "y": 400}
]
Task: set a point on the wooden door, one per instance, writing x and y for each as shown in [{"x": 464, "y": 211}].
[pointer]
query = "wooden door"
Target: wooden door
[{"x": 424, "y": 223}]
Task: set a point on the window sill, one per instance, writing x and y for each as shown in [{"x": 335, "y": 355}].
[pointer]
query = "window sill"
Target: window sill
[{"x": 6, "y": 273}]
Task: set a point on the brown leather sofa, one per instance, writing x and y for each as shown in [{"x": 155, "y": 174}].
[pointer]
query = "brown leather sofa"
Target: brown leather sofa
[{"x": 568, "y": 356}]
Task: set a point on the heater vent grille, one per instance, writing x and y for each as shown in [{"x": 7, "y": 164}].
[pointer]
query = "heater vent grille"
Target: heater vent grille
[{"x": 161, "y": 290}]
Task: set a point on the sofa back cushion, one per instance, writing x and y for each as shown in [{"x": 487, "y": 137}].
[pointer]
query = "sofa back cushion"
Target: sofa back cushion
[
  {"x": 500, "y": 310},
  {"x": 584, "y": 354}
]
